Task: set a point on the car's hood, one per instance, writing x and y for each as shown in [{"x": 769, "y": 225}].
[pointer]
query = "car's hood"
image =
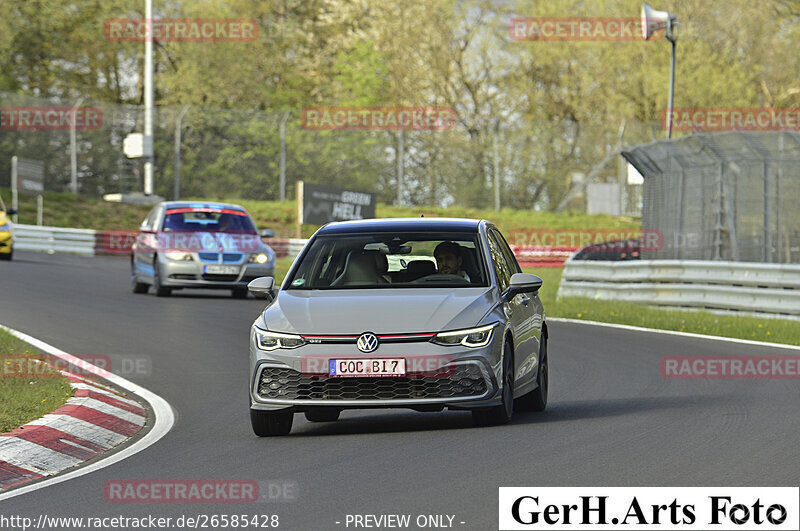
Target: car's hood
[{"x": 382, "y": 311}]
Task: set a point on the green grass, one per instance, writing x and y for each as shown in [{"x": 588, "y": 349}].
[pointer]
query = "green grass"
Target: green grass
[
  {"x": 68, "y": 210},
  {"x": 26, "y": 398}
]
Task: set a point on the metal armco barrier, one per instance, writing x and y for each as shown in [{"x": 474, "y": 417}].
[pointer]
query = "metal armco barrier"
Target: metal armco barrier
[
  {"x": 732, "y": 286},
  {"x": 54, "y": 239}
]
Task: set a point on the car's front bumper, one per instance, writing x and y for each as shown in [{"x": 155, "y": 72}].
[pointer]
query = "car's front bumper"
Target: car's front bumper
[
  {"x": 6, "y": 242},
  {"x": 192, "y": 274},
  {"x": 443, "y": 377}
]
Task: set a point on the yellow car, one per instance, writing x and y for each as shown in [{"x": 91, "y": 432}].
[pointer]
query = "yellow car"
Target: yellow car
[{"x": 6, "y": 238}]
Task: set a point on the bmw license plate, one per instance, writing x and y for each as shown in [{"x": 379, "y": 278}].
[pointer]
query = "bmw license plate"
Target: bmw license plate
[
  {"x": 221, "y": 270},
  {"x": 368, "y": 367}
]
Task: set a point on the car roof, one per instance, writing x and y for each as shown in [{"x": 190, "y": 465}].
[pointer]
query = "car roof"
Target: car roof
[
  {"x": 201, "y": 204},
  {"x": 401, "y": 225}
]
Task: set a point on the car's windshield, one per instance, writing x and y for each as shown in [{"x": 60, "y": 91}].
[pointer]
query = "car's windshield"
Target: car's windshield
[
  {"x": 207, "y": 220},
  {"x": 391, "y": 260}
]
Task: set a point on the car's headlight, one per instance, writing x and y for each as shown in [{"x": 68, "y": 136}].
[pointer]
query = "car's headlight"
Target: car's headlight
[
  {"x": 259, "y": 258},
  {"x": 5, "y": 228},
  {"x": 178, "y": 256},
  {"x": 470, "y": 337},
  {"x": 274, "y": 340}
]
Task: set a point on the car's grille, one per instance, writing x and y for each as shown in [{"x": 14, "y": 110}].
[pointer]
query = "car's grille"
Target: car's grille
[
  {"x": 220, "y": 278},
  {"x": 466, "y": 380},
  {"x": 228, "y": 258}
]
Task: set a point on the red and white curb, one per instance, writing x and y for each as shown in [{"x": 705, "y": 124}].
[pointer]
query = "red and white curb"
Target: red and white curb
[{"x": 95, "y": 420}]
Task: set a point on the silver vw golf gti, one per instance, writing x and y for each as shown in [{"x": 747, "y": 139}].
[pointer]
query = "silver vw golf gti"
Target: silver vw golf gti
[{"x": 420, "y": 313}]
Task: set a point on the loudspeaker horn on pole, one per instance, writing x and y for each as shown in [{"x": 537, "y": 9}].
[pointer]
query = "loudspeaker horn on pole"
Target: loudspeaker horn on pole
[{"x": 653, "y": 20}]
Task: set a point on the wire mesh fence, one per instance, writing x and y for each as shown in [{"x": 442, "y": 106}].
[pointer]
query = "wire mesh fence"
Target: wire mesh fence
[{"x": 723, "y": 196}]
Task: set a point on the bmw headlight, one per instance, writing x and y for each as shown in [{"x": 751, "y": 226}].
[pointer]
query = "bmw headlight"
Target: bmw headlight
[
  {"x": 469, "y": 337},
  {"x": 274, "y": 340},
  {"x": 178, "y": 256},
  {"x": 259, "y": 258}
]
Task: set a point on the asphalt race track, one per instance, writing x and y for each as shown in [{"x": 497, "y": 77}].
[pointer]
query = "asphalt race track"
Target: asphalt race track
[{"x": 612, "y": 419}]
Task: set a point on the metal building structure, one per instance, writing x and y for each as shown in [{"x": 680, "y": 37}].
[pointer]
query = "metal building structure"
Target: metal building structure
[{"x": 723, "y": 196}]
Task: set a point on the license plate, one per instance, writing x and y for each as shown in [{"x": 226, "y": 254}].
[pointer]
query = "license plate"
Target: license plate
[
  {"x": 221, "y": 270},
  {"x": 368, "y": 367}
]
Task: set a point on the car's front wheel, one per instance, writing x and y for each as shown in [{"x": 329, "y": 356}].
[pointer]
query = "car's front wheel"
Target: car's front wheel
[
  {"x": 7, "y": 256},
  {"x": 500, "y": 414},
  {"x": 536, "y": 400},
  {"x": 271, "y": 423},
  {"x": 161, "y": 291},
  {"x": 138, "y": 287}
]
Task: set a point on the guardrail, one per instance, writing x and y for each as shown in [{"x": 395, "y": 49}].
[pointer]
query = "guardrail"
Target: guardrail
[
  {"x": 54, "y": 239},
  {"x": 732, "y": 286},
  {"x": 119, "y": 242}
]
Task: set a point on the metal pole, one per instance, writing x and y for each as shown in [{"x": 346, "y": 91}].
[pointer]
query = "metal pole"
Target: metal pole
[
  {"x": 767, "y": 252},
  {"x": 14, "y": 191},
  {"x": 283, "y": 156},
  {"x": 148, "y": 95},
  {"x": 39, "y": 209},
  {"x": 176, "y": 192},
  {"x": 73, "y": 150},
  {"x": 400, "y": 170},
  {"x": 300, "y": 214},
  {"x": 496, "y": 169},
  {"x": 671, "y": 89}
]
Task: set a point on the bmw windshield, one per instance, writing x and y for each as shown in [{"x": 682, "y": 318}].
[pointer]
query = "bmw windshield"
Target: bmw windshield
[
  {"x": 208, "y": 220},
  {"x": 389, "y": 260}
]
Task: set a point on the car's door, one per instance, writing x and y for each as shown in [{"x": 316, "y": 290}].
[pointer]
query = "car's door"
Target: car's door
[{"x": 523, "y": 310}]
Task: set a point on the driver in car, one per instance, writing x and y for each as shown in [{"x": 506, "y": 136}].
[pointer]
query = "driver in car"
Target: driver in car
[{"x": 448, "y": 259}]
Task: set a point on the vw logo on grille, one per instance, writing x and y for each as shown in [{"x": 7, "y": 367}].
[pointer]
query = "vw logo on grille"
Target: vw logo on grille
[{"x": 367, "y": 342}]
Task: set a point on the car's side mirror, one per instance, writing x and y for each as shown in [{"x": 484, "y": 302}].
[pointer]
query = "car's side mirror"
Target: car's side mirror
[
  {"x": 522, "y": 283},
  {"x": 11, "y": 211},
  {"x": 267, "y": 233},
  {"x": 262, "y": 288}
]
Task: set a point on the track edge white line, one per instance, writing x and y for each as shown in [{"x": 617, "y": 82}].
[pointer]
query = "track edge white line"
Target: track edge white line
[{"x": 673, "y": 333}]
